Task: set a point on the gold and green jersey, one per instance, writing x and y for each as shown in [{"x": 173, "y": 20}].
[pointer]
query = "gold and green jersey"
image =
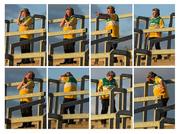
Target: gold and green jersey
[
  {"x": 112, "y": 23},
  {"x": 27, "y": 90},
  {"x": 28, "y": 25},
  {"x": 155, "y": 23},
  {"x": 70, "y": 84},
  {"x": 105, "y": 86},
  {"x": 158, "y": 89},
  {"x": 73, "y": 22}
]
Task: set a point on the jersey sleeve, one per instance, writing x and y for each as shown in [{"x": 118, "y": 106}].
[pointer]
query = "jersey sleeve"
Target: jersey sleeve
[
  {"x": 65, "y": 79},
  {"x": 100, "y": 85},
  {"x": 161, "y": 23},
  {"x": 73, "y": 21},
  {"x": 28, "y": 21},
  {"x": 158, "y": 80},
  {"x": 114, "y": 17},
  {"x": 29, "y": 85}
]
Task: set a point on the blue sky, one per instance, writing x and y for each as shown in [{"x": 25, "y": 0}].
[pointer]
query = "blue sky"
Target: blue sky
[
  {"x": 140, "y": 77},
  {"x": 54, "y": 73},
  {"x": 165, "y": 9}
]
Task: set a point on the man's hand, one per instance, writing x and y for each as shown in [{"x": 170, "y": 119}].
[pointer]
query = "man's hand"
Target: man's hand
[
  {"x": 157, "y": 26},
  {"x": 97, "y": 13}
]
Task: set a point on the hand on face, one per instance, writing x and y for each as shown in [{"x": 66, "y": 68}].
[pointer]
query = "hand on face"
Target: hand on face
[
  {"x": 150, "y": 80},
  {"x": 23, "y": 14},
  {"x": 68, "y": 13},
  {"x": 97, "y": 13},
  {"x": 28, "y": 76}
]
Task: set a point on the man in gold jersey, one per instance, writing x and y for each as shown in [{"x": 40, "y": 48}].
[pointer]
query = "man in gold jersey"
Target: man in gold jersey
[
  {"x": 69, "y": 23},
  {"x": 112, "y": 23},
  {"x": 26, "y": 86},
  {"x": 25, "y": 23},
  {"x": 155, "y": 22},
  {"x": 159, "y": 90},
  {"x": 105, "y": 85},
  {"x": 70, "y": 84}
]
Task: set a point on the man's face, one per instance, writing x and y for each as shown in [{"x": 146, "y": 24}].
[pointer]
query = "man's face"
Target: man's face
[
  {"x": 109, "y": 77},
  {"x": 150, "y": 80},
  {"x": 68, "y": 12},
  {"x": 28, "y": 76},
  {"x": 154, "y": 14},
  {"x": 23, "y": 14},
  {"x": 110, "y": 11}
]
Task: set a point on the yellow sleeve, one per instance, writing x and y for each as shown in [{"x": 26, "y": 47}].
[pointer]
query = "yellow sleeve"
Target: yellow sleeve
[
  {"x": 28, "y": 21},
  {"x": 73, "y": 21},
  {"x": 29, "y": 85},
  {"x": 116, "y": 85},
  {"x": 114, "y": 17},
  {"x": 158, "y": 80},
  {"x": 65, "y": 79},
  {"x": 100, "y": 85},
  {"x": 161, "y": 23}
]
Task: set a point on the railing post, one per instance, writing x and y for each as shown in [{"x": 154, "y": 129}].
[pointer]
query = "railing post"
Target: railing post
[
  {"x": 86, "y": 58},
  {"x": 96, "y": 37},
  {"x": 161, "y": 124},
  {"x": 82, "y": 96},
  {"x": 128, "y": 58},
  {"x": 170, "y": 32},
  {"x": 97, "y": 101},
  {"x": 59, "y": 123},
  {"x": 111, "y": 59},
  {"x": 145, "y": 103},
  {"x": 112, "y": 105},
  {"x": 82, "y": 26},
  {"x": 43, "y": 122},
  {"x": 7, "y": 37},
  {"x": 5, "y": 100},
  {"x": 39, "y": 106},
  {"x": 117, "y": 126},
  {"x": 57, "y": 98},
  {"x": 50, "y": 105},
  {"x": 120, "y": 94}
]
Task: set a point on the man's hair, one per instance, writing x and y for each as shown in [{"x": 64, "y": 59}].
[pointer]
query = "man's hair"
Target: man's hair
[
  {"x": 111, "y": 7},
  {"x": 151, "y": 75},
  {"x": 71, "y": 9},
  {"x": 27, "y": 11},
  {"x": 32, "y": 73},
  {"x": 68, "y": 74},
  {"x": 111, "y": 73},
  {"x": 157, "y": 11}
]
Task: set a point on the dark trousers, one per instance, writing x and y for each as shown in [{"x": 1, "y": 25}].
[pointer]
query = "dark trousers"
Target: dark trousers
[
  {"x": 69, "y": 48},
  {"x": 26, "y": 112},
  {"x": 163, "y": 103},
  {"x": 71, "y": 109},
  {"x": 25, "y": 48},
  {"x": 105, "y": 106},
  {"x": 157, "y": 46},
  {"x": 112, "y": 47}
]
